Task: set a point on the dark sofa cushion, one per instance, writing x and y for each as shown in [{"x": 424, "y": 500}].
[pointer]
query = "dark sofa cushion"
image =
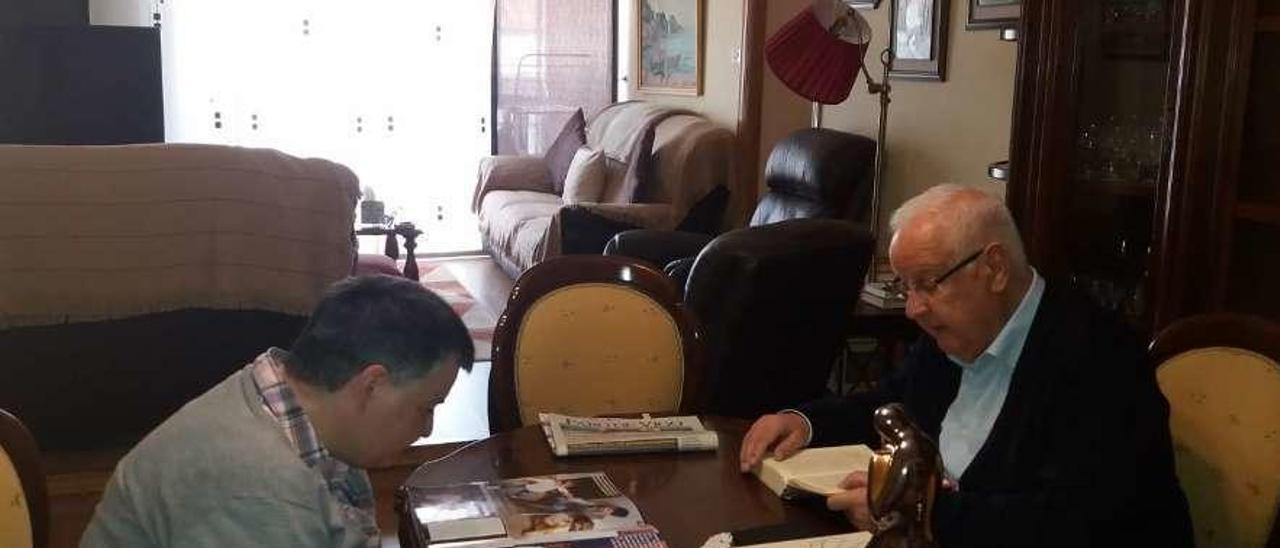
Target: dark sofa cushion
[{"x": 558, "y": 157}]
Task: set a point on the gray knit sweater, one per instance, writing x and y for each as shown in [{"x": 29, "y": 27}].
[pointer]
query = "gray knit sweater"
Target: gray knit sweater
[{"x": 219, "y": 472}]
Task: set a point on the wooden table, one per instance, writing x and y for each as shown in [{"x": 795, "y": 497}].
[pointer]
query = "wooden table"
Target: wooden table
[{"x": 687, "y": 496}]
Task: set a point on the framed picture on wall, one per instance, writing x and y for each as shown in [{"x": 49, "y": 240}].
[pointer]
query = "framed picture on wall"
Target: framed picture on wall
[
  {"x": 918, "y": 39},
  {"x": 669, "y": 46},
  {"x": 990, "y": 14}
]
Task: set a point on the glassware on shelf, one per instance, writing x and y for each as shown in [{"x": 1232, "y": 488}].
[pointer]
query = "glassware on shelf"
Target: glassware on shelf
[{"x": 1119, "y": 149}]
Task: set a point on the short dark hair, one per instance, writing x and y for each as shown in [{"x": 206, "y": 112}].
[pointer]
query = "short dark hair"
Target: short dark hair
[{"x": 378, "y": 319}]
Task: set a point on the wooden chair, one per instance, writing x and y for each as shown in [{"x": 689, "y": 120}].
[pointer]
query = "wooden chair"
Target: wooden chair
[
  {"x": 592, "y": 335},
  {"x": 24, "y": 502},
  {"x": 1221, "y": 374}
]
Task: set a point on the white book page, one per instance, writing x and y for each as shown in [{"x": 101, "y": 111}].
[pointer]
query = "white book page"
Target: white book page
[
  {"x": 822, "y": 484},
  {"x": 819, "y": 470},
  {"x": 850, "y": 540}
]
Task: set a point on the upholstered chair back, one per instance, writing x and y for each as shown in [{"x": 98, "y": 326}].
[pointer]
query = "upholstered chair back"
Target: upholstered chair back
[
  {"x": 24, "y": 506},
  {"x": 774, "y": 303},
  {"x": 591, "y": 335},
  {"x": 818, "y": 173},
  {"x": 1221, "y": 377}
]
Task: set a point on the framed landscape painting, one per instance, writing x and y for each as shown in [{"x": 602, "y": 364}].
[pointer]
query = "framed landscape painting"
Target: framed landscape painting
[{"x": 669, "y": 46}]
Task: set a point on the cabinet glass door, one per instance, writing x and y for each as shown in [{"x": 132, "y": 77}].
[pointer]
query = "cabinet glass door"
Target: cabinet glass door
[{"x": 1121, "y": 70}]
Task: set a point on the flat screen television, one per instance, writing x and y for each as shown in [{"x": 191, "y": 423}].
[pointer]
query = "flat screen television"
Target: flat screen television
[{"x": 91, "y": 85}]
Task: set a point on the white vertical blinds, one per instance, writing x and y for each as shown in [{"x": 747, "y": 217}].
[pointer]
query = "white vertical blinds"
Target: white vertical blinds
[{"x": 398, "y": 90}]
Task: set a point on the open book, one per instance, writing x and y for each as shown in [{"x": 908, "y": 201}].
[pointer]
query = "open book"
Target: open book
[
  {"x": 563, "y": 510},
  {"x": 570, "y": 436},
  {"x": 817, "y": 470}
]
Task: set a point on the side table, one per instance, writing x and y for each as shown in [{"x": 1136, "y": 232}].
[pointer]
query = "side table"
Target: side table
[
  {"x": 892, "y": 330},
  {"x": 410, "y": 234}
]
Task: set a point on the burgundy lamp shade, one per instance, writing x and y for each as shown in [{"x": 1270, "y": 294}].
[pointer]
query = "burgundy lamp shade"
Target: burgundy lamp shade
[{"x": 817, "y": 61}]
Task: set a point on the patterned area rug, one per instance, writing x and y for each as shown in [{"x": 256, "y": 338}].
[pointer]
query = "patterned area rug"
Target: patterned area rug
[{"x": 435, "y": 275}]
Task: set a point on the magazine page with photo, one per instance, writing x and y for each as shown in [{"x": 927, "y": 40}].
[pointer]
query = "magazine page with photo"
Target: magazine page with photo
[
  {"x": 566, "y": 505},
  {"x": 556, "y": 511}
]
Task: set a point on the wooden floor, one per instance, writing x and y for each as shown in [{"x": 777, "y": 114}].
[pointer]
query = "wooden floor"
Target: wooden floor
[
  {"x": 76, "y": 480},
  {"x": 488, "y": 283}
]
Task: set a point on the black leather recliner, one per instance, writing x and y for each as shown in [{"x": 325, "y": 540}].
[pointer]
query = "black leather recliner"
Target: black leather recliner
[
  {"x": 811, "y": 173},
  {"x": 774, "y": 303}
]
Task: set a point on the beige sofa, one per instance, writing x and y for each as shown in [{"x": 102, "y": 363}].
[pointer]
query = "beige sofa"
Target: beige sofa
[{"x": 523, "y": 221}]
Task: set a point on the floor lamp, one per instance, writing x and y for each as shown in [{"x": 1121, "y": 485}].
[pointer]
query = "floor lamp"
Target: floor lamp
[{"x": 818, "y": 55}]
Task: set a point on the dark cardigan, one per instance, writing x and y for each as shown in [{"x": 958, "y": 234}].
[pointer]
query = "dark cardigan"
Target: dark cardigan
[{"x": 1080, "y": 454}]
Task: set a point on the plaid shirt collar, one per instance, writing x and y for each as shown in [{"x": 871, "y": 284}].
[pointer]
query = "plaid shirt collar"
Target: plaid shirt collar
[{"x": 348, "y": 484}]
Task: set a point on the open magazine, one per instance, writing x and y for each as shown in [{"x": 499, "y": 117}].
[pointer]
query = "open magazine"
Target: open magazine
[
  {"x": 558, "y": 511},
  {"x": 570, "y": 436}
]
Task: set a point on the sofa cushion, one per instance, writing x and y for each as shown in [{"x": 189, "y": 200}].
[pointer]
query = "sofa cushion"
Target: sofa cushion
[
  {"x": 634, "y": 185},
  {"x": 586, "y": 178},
  {"x": 514, "y": 223},
  {"x": 558, "y": 157}
]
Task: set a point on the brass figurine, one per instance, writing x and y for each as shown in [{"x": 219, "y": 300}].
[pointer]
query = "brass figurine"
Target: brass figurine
[{"x": 903, "y": 479}]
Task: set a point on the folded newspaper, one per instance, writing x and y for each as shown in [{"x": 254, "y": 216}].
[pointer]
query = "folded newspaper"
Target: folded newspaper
[{"x": 571, "y": 436}]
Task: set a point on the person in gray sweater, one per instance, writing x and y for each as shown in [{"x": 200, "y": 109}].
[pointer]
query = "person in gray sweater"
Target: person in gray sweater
[{"x": 275, "y": 455}]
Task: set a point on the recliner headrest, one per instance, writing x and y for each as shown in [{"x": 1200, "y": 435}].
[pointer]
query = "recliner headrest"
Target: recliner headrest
[{"x": 820, "y": 164}]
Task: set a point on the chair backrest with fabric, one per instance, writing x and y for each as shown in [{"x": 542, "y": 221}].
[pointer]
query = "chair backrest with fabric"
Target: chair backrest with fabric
[
  {"x": 24, "y": 502},
  {"x": 1221, "y": 374},
  {"x": 775, "y": 302},
  {"x": 818, "y": 173},
  {"x": 592, "y": 335}
]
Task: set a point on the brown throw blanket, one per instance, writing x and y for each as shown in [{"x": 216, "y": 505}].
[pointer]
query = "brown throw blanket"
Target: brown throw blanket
[{"x": 91, "y": 233}]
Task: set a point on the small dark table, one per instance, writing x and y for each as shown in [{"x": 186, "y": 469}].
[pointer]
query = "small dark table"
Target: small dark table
[
  {"x": 410, "y": 234},
  {"x": 687, "y": 496},
  {"x": 893, "y": 332}
]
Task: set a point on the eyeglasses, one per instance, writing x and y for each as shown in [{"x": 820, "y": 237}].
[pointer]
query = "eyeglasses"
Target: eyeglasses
[{"x": 900, "y": 288}]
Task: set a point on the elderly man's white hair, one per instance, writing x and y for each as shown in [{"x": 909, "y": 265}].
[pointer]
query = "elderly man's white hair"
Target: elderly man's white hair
[{"x": 973, "y": 218}]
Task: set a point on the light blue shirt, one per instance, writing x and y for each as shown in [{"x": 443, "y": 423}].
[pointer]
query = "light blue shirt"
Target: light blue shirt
[{"x": 984, "y": 383}]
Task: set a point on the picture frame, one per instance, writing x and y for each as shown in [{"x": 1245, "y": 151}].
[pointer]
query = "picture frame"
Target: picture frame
[
  {"x": 993, "y": 14},
  {"x": 864, "y": 4},
  {"x": 669, "y": 46},
  {"x": 918, "y": 39}
]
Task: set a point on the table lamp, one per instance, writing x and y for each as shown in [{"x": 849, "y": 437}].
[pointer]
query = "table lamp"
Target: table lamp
[{"x": 818, "y": 55}]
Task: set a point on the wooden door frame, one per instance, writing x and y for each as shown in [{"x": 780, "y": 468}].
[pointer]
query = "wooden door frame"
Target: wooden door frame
[{"x": 750, "y": 96}]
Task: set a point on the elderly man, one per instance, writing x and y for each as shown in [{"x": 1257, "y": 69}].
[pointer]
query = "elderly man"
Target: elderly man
[
  {"x": 274, "y": 455},
  {"x": 1046, "y": 411}
]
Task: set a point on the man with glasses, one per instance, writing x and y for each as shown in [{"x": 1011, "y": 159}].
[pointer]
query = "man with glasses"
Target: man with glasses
[{"x": 1050, "y": 424}]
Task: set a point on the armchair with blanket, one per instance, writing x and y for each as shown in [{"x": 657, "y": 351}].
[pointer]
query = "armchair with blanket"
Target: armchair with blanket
[
  {"x": 526, "y": 217},
  {"x": 133, "y": 278}
]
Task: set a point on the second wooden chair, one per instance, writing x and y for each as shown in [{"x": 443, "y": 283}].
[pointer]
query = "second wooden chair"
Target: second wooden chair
[{"x": 592, "y": 335}]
